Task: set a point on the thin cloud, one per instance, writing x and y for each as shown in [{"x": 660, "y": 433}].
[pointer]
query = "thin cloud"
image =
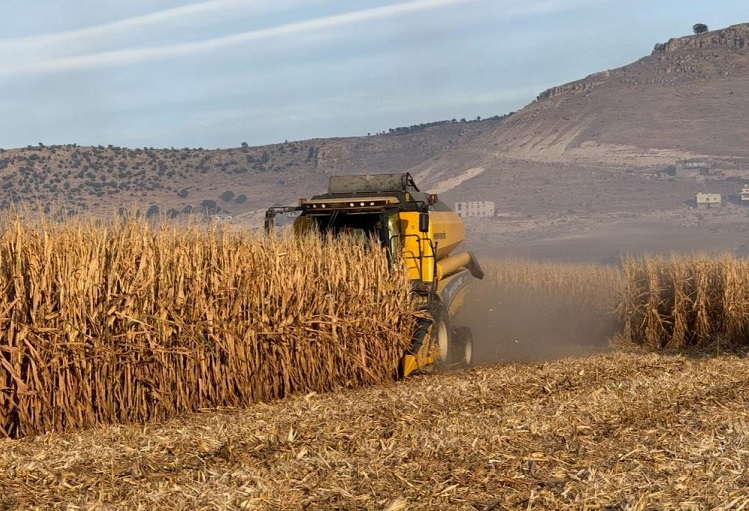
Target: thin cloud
[
  {"x": 453, "y": 99},
  {"x": 150, "y": 54},
  {"x": 107, "y": 29}
]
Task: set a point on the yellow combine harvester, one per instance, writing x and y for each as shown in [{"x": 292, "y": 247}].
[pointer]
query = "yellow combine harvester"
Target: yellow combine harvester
[{"x": 417, "y": 227}]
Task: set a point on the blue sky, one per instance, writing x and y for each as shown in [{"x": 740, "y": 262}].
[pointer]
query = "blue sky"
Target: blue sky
[{"x": 178, "y": 73}]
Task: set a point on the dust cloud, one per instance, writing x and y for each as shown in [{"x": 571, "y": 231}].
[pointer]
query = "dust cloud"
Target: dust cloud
[{"x": 519, "y": 325}]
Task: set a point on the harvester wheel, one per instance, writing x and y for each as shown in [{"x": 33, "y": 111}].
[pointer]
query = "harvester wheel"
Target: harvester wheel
[
  {"x": 441, "y": 336},
  {"x": 463, "y": 345}
]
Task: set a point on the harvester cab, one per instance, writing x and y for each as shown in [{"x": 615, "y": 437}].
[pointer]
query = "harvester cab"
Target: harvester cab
[{"x": 416, "y": 227}]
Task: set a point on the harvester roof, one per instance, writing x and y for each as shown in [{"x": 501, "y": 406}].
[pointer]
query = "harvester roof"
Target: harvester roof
[
  {"x": 372, "y": 183},
  {"x": 380, "y": 191}
]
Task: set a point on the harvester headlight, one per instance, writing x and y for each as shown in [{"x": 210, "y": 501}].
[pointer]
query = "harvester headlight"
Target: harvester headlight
[
  {"x": 371, "y": 203},
  {"x": 351, "y": 204},
  {"x": 361, "y": 204},
  {"x": 323, "y": 205}
]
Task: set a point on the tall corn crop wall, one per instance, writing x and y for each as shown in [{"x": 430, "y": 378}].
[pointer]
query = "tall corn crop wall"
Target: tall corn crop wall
[
  {"x": 127, "y": 323},
  {"x": 682, "y": 302}
]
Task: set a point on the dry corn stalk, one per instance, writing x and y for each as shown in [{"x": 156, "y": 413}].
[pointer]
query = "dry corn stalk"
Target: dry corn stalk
[
  {"x": 697, "y": 301},
  {"x": 124, "y": 322}
]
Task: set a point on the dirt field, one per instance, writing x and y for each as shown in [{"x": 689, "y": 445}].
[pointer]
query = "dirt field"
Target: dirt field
[{"x": 607, "y": 239}]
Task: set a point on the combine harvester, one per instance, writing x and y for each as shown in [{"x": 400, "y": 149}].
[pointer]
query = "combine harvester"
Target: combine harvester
[{"x": 417, "y": 227}]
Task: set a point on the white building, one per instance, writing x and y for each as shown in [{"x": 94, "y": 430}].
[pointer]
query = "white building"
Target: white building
[
  {"x": 221, "y": 217},
  {"x": 482, "y": 208},
  {"x": 745, "y": 195},
  {"x": 708, "y": 200}
]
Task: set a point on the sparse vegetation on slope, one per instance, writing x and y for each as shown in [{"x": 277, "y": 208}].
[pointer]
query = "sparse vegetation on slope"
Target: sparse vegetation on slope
[{"x": 71, "y": 179}]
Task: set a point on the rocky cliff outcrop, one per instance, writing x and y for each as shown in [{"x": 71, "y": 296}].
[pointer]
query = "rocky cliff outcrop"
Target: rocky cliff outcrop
[
  {"x": 585, "y": 85},
  {"x": 735, "y": 36}
]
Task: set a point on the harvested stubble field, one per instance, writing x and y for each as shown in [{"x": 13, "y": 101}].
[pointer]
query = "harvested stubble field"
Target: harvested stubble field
[{"x": 616, "y": 431}]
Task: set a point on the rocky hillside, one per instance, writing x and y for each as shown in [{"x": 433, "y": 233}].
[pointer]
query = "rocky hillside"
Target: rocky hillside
[
  {"x": 690, "y": 97},
  {"x": 70, "y": 179}
]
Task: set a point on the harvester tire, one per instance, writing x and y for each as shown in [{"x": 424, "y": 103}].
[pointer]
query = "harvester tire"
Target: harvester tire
[
  {"x": 442, "y": 336},
  {"x": 462, "y": 346}
]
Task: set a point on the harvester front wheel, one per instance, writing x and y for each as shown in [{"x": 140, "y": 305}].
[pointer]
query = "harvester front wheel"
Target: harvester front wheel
[
  {"x": 453, "y": 346},
  {"x": 441, "y": 336}
]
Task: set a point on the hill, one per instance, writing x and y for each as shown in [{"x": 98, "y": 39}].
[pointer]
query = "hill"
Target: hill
[
  {"x": 688, "y": 98},
  {"x": 235, "y": 181}
]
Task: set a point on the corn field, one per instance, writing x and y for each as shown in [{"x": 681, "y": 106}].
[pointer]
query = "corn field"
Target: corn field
[
  {"x": 125, "y": 322},
  {"x": 592, "y": 287},
  {"x": 680, "y": 302}
]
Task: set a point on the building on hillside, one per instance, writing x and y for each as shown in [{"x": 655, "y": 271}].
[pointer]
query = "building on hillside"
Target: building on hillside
[
  {"x": 708, "y": 200},
  {"x": 690, "y": 168},
  {"x": 745, "y": 195},
  {"x": 481, "y": 208},
  {"x": 221, "y": 217}
]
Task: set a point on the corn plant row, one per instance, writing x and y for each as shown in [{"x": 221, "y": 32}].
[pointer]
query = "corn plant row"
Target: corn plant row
[
  {"x": 126, "y": 322},
  {"x": 591, "y": 286},
  {"x": 698, "y": 301}
]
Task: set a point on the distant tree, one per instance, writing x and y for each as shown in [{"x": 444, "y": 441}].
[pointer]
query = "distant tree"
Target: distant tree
[
  {"x": 699, "y": 28},
  {"x": 209, "y": 205},
  {"x": 227, "y": 196},
  {"x": 244, "y": 144}
]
